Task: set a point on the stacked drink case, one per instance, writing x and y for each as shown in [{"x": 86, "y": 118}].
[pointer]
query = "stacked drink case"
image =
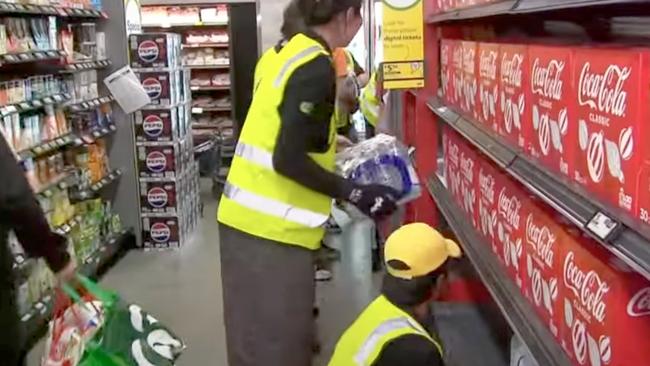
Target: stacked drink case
[
  {"x": 514, "y": 77},
  {"x": 168, "y": 174},
  {"x": 488, "y": 89},
  {"x": 470, "y": 78}
]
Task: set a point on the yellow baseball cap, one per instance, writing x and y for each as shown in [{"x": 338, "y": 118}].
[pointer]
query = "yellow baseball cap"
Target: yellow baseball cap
[{"x": 421, "y": 250}]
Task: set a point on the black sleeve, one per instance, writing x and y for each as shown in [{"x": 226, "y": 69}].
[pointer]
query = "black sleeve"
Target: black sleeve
[
  {"x": 20, "y": 211},
  {"x": 412, "y": 350},
  {"x": 306, "y": 112}
]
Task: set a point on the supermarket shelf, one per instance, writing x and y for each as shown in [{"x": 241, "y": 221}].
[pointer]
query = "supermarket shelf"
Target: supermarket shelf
[
  {"x": 206, "y": 45},
  {"x": 509, "y": 7},
  {"x": 63, "y": 181},
  {"x": 206, "y": 146},
  {"x": 68, "y": 226},
  {"x": 208, "y": 88},
  {"x": 33, "y": 104},
  {"x": 35, "y": 319},
  {"x": 92, "y": 191},
  {"x": 30, "y": 56},
  {"x": 46, "y": 147},
  {"x": 89, "y": 104},
  {"x": 200, "y": 110},
  {"x": 7, "y": 8},
  {"x": 188, "y": 24},
  {"x": 87, "y": 65},
  {"x": 90, "y": 137},
  {"x": 509, "y": 298},
  {"x": 198, "y": 125},
  {"x": 208, "y": 67},
  {"x": 617, "y": 232}
]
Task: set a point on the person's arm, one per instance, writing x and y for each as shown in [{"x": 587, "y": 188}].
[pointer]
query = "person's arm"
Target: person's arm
[
  {"x": 412, "y": 350},
  {"x": 306, "y": 112},
  {"x": 20, "y": 211}
]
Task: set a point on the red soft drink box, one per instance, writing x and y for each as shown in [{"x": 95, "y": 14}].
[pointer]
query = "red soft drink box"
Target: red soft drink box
[
  {"x": 611, "y": 89},
  {"x": 554, "y": 129},
  {"x": 470, "y": 79},
  {"x": 457, "y": 72},
  {"x": 606, "y": 308},
  {"x": 488, "y": 85},
  {"x": 512, "y": 209},
  {"x": 452, "y": 162},
  {"x": 543, "y": 253},
  {"x": 488, "y": 178},
  {"x": 513, "y": 72},
  {"x": 447, "y": 71},
  {"x": 160, "y": 232},
  {"x": 468, "y": 180}
]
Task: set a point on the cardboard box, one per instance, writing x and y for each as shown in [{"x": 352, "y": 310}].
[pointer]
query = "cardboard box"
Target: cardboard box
[
  {"x": 514, "y": 88},
  {"x": 159, "y": 161},
  {"x": 606, "y": 308},
  {"x": 611, "y": 95},
  {"x": 163, "y": 87},
  {"x": 447, "y": 72},
  {"x": 470, "y": 79},
  {"x": 161, "y": 196},
  {"x": 554, "y": 128},
  {"x": 488, "y": 85},
  {"x": 157, "y": 125},
  {"x": 162, "y": 232},
  {"x": 457, "y": 73},
  {"x": 489, "y": 177},
  {"x": 154, "y": 50}
]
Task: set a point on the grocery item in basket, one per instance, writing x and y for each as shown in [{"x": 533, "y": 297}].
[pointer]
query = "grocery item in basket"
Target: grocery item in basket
[{"x": 381, "y": 160}]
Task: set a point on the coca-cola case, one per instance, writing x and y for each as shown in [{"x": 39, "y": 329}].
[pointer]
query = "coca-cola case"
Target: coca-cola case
[
  {"x": 159, "y": 125},
  {"x": 605, "y": 308},
  {"x": 154, "y": 50},
  {"x": 159, "y": 161},
  {"x": 451, "y": 141},
  {"x": 461, "y": 172},
  {"x": 457, "y": 75},
  {"x": 447, "y": 71},
  {"x": 163, "y": 87},
  {"x": 514, "y": 87},
  {"x": 488, "y": 85},
  {"x": 161, "y": 196},
  {"x": 470, "y": 79},
  {"x": 612, "y": 107},
  {"x": 554, "y": 128},
  {"x": 489, "y": 178},
  {"x": 512, "y": 209},
  {"x": 544, "y": 241},
  {"x": 161, "y": 232}
]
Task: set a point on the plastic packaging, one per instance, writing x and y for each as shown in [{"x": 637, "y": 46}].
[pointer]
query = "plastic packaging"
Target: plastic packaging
[{"x": 381, "y": 160}]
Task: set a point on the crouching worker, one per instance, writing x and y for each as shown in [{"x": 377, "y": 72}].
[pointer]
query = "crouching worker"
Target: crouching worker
[{"x": 389, "y": 332}]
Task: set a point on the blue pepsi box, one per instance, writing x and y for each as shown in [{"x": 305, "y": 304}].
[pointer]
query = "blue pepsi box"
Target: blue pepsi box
[{"x": 159, "y": 125}]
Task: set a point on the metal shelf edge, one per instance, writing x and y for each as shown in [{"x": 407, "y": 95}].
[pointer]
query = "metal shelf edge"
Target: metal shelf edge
[{"x": 515, "y": 308}]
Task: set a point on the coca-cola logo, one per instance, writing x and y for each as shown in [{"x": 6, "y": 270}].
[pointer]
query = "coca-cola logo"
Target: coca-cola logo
[
  {"x": 444, "y": 54},
  {"x": 467, "y": 168},
  {"x": 639, "y": 304},
  {"x": 541, "y": 239},
  {"x": 457, "y": 57},
  {"x": 604, "y": 92},
  {"x": 486, "y": 185},
  {"x": 511, "y": 69},
  {"x": 469, "y": 60},
  {"x": 453, "y": 153},
  {"x": 488, "y": 64},
  {"x": 509, "y": 208},
  {"x": 547, "y": 81},
  {"x": 587, "y": 287}
]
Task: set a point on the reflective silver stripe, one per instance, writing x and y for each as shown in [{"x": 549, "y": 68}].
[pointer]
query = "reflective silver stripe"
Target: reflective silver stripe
[
  {"x": 302, "y": 54},
  {"x": 362, "y": 357},
  {"x": 272, "y": 207},
  {"x": 255, "y": 155}
]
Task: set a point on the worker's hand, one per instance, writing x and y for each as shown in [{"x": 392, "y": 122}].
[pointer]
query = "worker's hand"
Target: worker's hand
[
  {"x": 68, "y": 272},
  {"x": 343, "y": 143},
  {"x": 376, "y": 201}
]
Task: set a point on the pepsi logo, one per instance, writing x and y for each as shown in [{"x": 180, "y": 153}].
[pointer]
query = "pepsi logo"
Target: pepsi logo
[
  {"x": 156, "y": 161},
  {"x": 153, "y": 126},
  {"x": 157, "y": 197},
  {"x": 160, "y": 232},
  {"x": 153, "y": 87},
  {"x": 148, "y": 51}
]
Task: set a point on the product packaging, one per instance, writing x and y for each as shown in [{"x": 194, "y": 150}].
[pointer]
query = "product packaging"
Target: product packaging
[
  {"x": 514, "y": 88},
  {"x": 154, "y": 50},
  {"x": 488, "y": 85},
  {"x": 157, "y": 125},
  {"x": 159, "y": 161},
  {"x": 470, "y": 79},
  {"x": 554, "y": 128},
  {"x": 447, "y": 71},
  {"x": 161, "y": 232},
  {"x": 162, "y": 196},
  {"x": 163, "y": 87},
  {"x": 487, "y": 190}
]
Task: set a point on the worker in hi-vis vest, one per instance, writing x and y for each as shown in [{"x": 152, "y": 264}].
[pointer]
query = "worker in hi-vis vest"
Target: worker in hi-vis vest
[
  {"x": 391, "y": 330},
  {"x": 280, "y": 186}
]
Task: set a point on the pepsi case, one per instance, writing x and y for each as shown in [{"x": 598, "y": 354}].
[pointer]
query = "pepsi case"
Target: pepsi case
[
  {"x": 155, "y": 50},
  {"x": 161, "y": 232},
  {"x": 159, "y": 161},
  {"x": 162, "y": 87},
  {"x": 160, "y": 125},
  {"x": 161, "y": 196}
]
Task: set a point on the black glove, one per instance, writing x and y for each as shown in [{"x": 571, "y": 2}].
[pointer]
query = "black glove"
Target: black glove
[{"x": 376, "y": 201}]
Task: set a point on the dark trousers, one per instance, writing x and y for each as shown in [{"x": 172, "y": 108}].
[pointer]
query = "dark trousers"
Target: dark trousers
[
  {"x": 268, "y": 294},
  {"x": 11, "y": 345}
]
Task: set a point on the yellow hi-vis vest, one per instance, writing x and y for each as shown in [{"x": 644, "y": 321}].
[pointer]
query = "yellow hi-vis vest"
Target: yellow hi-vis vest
[
  {"x": 369, "y": 102},
  {"x": 342, "y": 117},
  {"x": 256, "y": 199},
  {"x": 379, "y": 324}
]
